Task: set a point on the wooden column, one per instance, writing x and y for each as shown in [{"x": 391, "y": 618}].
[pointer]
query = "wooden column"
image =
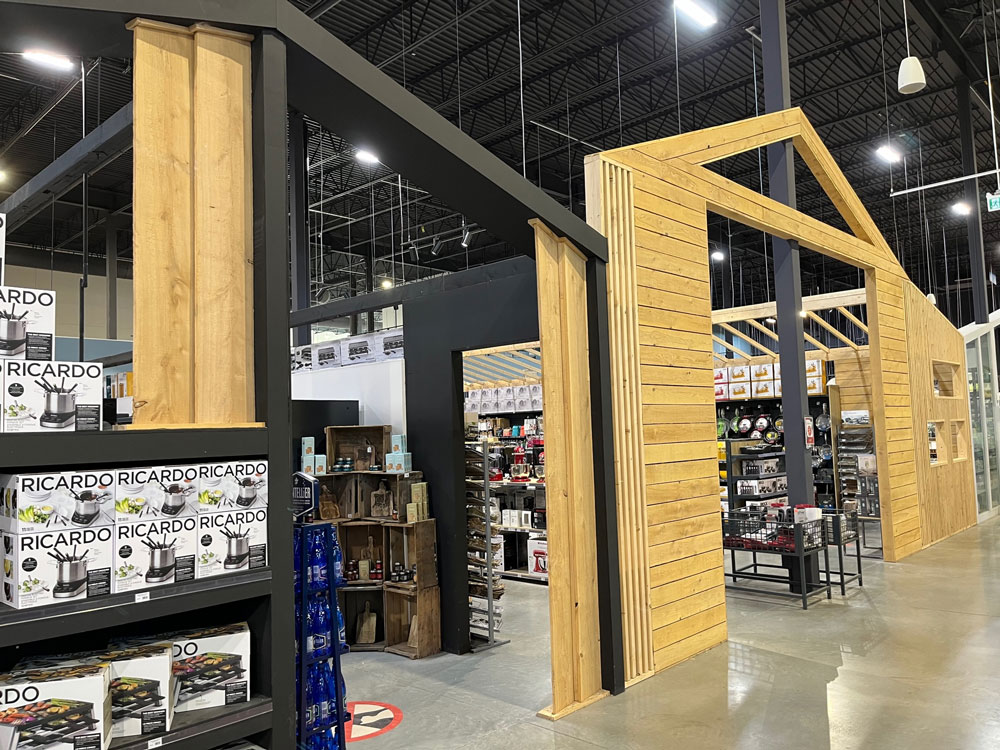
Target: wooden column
[
  {"x": 223, "y": 228},
  {"x": 573, "y": 603},
  {"x": 163, "y": 224},
  {"x": 193, "y": 226}
]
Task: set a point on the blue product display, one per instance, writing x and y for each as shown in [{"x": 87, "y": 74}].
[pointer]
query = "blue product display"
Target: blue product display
[{"x": 320, "y": 688}]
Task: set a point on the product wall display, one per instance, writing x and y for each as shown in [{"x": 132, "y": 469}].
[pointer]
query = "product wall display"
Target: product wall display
[
  {"x": 389, "y": 344},
  {"x": 739, "y": 391},
  {"x": 739, "y": 374},
  {"x": 64, "y": 708},
  {"x": 41, "y": 396},
  {"x": 328, "y": 354},
  {"x": 48, "y": 567},
  {"x": 231, "y": 485},
  {"x": 154, "y": 551},
  {"x": 57, "y": 500},
  {"x": 762, "y": 372},
  {"x": 27, "y": 323},
  {"x": 359, "y": 349},
  {"x": 301, "y": 358},
  {"x": 230, "y": 541}
]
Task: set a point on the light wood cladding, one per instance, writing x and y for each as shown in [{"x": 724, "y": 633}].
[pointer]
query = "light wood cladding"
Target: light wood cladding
[
  {"x": 852, "y": 370},
  {"x": 223, "y": 228},
  {"x": 947, "y": 497},
  {"x": 192, "y": 225},
  {"x": 615, "y": 217},
  {"x": 163, "y": 224},
  {"x": 571, "y": 521}
]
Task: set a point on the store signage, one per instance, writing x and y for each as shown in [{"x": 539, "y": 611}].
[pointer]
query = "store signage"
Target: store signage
[
  {"x": 810, "y": 433},
  {"x": 371, "y": 719},
  {"x": 993, "y": 202},
  {"x": 3, "y": 249}
]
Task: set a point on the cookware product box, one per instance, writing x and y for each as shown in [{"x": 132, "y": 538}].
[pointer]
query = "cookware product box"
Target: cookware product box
[
  {"x": 211, "y": 666},
  {"x": 27, "y": 323},
  {"x": 57, "y": 500},
  {"x": 231, "y": 541},
  {"x": 152, "y": 552},
  {"x": 52, "y": 396},
  {"x": 60, "y": 708},
  {"x": 48, "y": 567},
  {"x": 142, "y": 687},
  {"x": 233, "y": 485},
  {"x": 155, "y": 492}
]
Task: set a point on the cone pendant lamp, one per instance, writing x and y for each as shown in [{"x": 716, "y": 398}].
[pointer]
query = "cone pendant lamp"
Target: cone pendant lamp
[{"x": 911, "y": 72}]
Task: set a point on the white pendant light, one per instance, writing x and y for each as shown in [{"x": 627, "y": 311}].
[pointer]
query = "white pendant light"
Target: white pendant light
[{"x": 911, "y": 72}]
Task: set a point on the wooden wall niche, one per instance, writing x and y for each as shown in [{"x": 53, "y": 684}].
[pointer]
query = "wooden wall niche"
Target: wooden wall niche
[
  {"x": 192, "y": 226},
  {"x": 653, "y": 199}
]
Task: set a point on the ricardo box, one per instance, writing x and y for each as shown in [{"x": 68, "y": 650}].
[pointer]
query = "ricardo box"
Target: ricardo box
[
  {"x": 151, "y": 552},
  {"x": 43, "y": 396},
  {"x": 27, "y": 323},
  {"x": 67, "y": 499},
  {"x": 230, "y": 541}
]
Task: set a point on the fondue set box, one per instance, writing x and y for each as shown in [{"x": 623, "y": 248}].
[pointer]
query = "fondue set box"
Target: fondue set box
[{"x": 74, "y": 535}]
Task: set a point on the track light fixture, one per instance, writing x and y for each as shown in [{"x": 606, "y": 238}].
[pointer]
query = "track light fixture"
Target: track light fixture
[
  {"x": 436, "y": 247},
  {"x": 772, "y": 321},
  {"x": 366, "y": 157},
  {"x": 412, "y": 248},
  {"x": 888, "y": 153},
  {"x": 466, "y": 237}
]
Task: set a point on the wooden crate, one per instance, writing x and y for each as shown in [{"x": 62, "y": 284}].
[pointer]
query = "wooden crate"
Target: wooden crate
[
  {"x": 353, "y": 537},
  {"x": 401, "y": 606},
  {"x": 414, "y": 544},
  {"x": 352, "y": 603},
  {"x": 398, "y": 484},
  {"x": 366, "y": 444},
  {"x": 338, "y": 497}
]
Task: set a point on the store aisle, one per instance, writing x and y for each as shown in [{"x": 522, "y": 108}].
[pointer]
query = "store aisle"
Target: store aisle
[{"x": 909, "y": 661}]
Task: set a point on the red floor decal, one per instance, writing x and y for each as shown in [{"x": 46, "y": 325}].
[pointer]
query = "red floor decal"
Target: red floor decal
[{"x": 370, "y": 719}]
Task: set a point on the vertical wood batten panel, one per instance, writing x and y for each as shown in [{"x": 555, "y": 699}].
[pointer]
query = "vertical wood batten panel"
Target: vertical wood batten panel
[
  {"x": 163, "y": 154},
  {"x": 223, "y": 228},
  {"x": 573, "y": 603},
  {"x": 610, "y": 210}
]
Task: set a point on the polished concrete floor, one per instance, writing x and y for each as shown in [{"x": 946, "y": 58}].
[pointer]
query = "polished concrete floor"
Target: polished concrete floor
[{"x": 910, "y": 661}]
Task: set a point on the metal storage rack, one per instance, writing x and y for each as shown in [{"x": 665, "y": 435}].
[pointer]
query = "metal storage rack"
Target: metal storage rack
[
  {"x": 842, "y": 529},
  {"x": 854, "y": 440},
  {"x": 477, "y": 493},
  {"x": 754, "y": 533},
  {"x": 735, "y": 462}
]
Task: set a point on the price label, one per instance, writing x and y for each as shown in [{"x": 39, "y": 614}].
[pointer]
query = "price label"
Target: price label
[
  {"x": 406, "y": 475},
  {"x": 156, "y": 741},
  {"x": 142, "y": 597}
]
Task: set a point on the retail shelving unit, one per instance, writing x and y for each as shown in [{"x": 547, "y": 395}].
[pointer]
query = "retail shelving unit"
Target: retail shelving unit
[{"x": 478, "y": 493}]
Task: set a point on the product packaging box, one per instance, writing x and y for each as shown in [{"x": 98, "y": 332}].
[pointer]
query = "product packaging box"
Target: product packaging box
[
  {"x": 398, "y": 444},
  {"x": 301, "y": 358},
  {"x": 739, "y": 374},
  {"x": 762, "y": 372},
  {"x": 328, "y": 354},
  {"x": 320, "y": 464},
  {"x": 721, "y": 391},
  {"x": 58, "y": 500},
  {"x": 777, "y": 370},
  {"x": 522, "y": 391},
  {"x": 721, "y": 375},
  {"x": 43, "y": 396},
  {"x": 814, "y": 368},
  {"x": 308, "y": 446},
  {"x": 811, "y": 513},
  {"x": 138, "y": 494},
  {"x": 538, "y": 556},
  {"x": 763, "y": 389},
  {"x": 777, "y": 387},
  {"x": 142, "y": 686},
  {"x": 396, "y": 462},
  {"x": 231, "y": 541},
  {"x": 58, "y": 565},
  {"x": 359, "y": 349},
  {"x": 536, "y": 404},
  {"x": 522, "y": 405},
  {"x": 536, "y": 390},
  {"x": 59, "y": 708},
  {"x": 815, "y": 386},
  {"x": 154, "y": 551},
  {"x": 308, "y": 465},
  {"x": 231, "y": 485},
  {"x": 389, "y": 344},
  {"x": 211, "y": 666},
  {"x": 27, "y": 323},
  {"x": 505, "y": 393},
  {"x": 418, "y": 492},
  {"x": 739, "y": 391}
]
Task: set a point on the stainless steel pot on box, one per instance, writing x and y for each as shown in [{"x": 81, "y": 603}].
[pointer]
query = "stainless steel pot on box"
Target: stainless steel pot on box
[
  {"x": 238, "y": 546},
  {"x": 60, "y": 403},
  {"x": 71, "y": 572},
  {"x": 162, "y": 559},
  {"x": 13, "y": 330}
]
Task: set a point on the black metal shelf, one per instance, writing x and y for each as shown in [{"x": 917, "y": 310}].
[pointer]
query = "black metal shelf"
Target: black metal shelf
[
  {"x": 35, "y": 450},
  {"x": 208, "y": 728},
  {"x": 27, "y": 625},
  {"x": 763, "y": 496},
  {"x": 772, "y": 454},
  {"x": 760, "y": 476}
]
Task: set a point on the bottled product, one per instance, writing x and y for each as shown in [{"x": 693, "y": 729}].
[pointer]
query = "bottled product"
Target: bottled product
[
  {"x": 297, "y": 558},
  {"x": 338, "y": 561},
  {"x": 321, "y": 642},
  {"x": 341, "y": 630}
]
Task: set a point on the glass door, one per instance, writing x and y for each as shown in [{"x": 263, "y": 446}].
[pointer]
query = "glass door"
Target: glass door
[{"x": 979, "y": 451}]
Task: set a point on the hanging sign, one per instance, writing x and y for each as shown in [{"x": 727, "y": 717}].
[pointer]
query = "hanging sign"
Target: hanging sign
[
  {"x": 993, "y": 202},
  {"x": 3, "y": 249}
]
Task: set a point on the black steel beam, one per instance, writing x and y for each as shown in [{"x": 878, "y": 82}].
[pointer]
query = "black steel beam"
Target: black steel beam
[
  {"x": 276, "y": 624},
  {"x": 369, "y": 109},
  {"x": 101, "y": 145},
  {"x": 787, "y": 273},
  {"x": 977, "y": 259},
  {"x": 382, "y": 298},
  {"x": 298, "y": 210}
]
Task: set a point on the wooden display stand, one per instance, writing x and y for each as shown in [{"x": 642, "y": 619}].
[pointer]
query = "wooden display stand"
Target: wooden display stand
[
  {"x": 412, "y": 621},
  {"x": 413, "y": 544},
  {"x": 348, "y": 495},
  {"x": 367, "y": 445}
]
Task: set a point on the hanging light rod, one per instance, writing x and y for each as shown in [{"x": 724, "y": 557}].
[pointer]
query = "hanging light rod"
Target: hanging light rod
[
  {"x": 918, "y": 188},
  {"x": 565, "y": 135}
]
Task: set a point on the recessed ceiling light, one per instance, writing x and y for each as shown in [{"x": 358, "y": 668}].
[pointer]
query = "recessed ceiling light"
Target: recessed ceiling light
[
  {"x": 961, "y": 208},
  {"x": 772, "y": 321},
  {"x": 387, "y": 283},
  {"x": 366, "y": 156},
  {"x": 49, "y": 60},
  {"x": 696, "y": 12},
  {"x": 888, "y": 153},
  {"x": 718, "y": 255}
]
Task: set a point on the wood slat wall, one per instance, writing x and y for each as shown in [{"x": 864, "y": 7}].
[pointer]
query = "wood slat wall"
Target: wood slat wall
[
  {"x": 852, "y": 369},
  {"x": 614, "y": 216},
  {"x": 947, "y": 488},
  {"x": 572, "y": 524},
  {"x": 674, "y": 352}
]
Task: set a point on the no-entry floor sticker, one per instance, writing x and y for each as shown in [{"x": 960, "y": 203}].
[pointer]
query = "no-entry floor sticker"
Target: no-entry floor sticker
[{"x": 370, "y": 719}]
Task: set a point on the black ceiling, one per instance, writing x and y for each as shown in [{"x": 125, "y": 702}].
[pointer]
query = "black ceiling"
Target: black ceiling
[{"x": 595, "y": 75}]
